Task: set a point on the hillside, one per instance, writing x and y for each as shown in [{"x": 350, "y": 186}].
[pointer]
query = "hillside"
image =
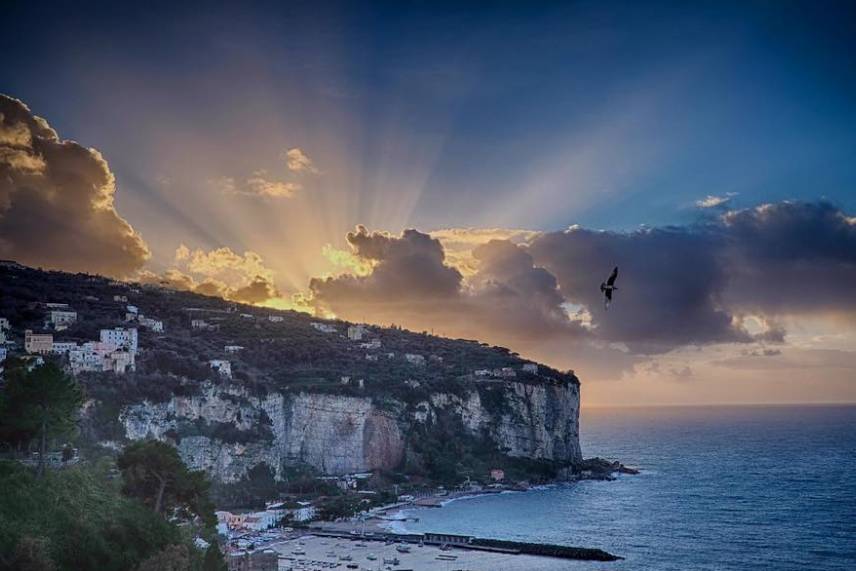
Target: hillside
[{"x": 393, "y": 401}]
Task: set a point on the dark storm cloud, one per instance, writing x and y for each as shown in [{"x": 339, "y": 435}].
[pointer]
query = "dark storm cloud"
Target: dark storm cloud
[
  {"x": 791, "y": 257},
  {"x": 689, "y": 285},
  {"x": 56, "y": 201},
  {"x": 670, "y": 284},
  {"x": 408, "y": 268}
]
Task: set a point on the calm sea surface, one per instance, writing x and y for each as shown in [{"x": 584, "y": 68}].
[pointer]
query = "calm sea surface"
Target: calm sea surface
[{"x": 721, "y": 488}]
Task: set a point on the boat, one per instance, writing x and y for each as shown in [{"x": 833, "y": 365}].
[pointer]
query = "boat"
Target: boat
[
  {"x": 445, "y": 557},
  {"x": 371, "y": 557},
  {"x": 393, "y": 561},
  {"x": 352, "y": 566},
  {"x": 403, "y": 549},
  {"x": 345, "y": 558},
  {"x": 298, "y": 552}
]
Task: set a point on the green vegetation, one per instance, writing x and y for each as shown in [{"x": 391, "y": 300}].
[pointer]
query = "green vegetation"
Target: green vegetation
[
  {"x": 82, "y": 516},
  {"x": 75, "y": 518},
  {"x": 154, "y": 473},
  {"x": 38, "y": 406}
]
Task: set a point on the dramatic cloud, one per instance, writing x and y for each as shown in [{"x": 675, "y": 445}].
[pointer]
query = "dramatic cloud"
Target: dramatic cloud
[
  {"x": 669, "y": 287},
  {"x": 298, "y": 161},
  {"x": 459, "y": 243},
  {"x": 694, "y": 285},
  {"x": 791, "y": 257},
  {"x": 409, "y": 268},
  {"x": 411, "y": 283},
  {"x": 56, "y": 201},
  {"x": 679, "y": 287},
  {"x": 219, "y": 272}
]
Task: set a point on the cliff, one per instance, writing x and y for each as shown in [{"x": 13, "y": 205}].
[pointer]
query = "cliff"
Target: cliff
[{"x": 339, "y": 434}]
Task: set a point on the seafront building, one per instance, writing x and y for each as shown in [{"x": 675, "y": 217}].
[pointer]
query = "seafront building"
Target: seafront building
[{"x": 256, "y": 560}]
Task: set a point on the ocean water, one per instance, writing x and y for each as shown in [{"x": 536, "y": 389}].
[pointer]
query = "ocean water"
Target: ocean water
[{"x": 721, "y": 488}]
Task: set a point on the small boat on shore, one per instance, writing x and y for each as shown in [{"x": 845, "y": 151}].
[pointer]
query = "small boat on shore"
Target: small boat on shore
[
  {"x": 393, "y": 561},
  {"x": 403, "y": 549}
]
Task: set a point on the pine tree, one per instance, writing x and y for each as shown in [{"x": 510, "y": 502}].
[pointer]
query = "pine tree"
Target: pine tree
[{"x": 40, "y": 405}]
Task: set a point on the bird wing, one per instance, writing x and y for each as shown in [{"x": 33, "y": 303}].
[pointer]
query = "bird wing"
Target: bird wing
[
  {"x": 608, "y": 294},
  {"x": 612, "y": 276}
]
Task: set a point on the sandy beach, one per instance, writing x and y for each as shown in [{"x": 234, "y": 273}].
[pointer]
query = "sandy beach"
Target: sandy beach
[{"x": 310, "y": 553}]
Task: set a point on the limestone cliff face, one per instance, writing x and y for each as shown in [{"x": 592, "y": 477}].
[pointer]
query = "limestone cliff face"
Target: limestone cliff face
[{"x": 339, "y": 434}]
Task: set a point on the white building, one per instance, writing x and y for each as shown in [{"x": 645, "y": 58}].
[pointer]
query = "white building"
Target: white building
[
  {"x": 199, "y": 324},
  {"x": 155, "y": 325},
  {"x": 530, "y": 368},
  {"x": 233, "y": 348},
  {"x": 121, "y": 338},
  {"x": 356, "y": 332},
  {"x": 99, "y": 357},
  {"x": 275, "y": 318},
  {"x": 132, "y": 309},
  {"x": 62, "y": 319},
  {"x": 221, "y": 366},
  {"x": 415, "y": 359},
  {"x": 121, "y": 298},
  {"x": 2, "y": 354},
  {"x": 373, "y": 344},
  {"x": 323, "y": 327},
  {"x": 63, "y": 347},
  {"x": 305, "y": 512}
]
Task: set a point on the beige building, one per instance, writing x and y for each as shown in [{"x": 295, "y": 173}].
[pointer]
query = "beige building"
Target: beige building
[{"x": 38, "y": 343}]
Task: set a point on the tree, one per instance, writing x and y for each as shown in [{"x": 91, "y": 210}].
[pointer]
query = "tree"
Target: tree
[
  {"x": 32, "y": 554},
  {"x": 39, "y": 405},
  {"x": 171, "y": 558},
  {"x": 214, "y": 559},
  {"x": 154, "y": 473}
]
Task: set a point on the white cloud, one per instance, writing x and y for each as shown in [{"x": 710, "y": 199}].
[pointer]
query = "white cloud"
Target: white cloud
[
  {"x": 713, "y": 201},
  {"x": 299, "y": 161}
]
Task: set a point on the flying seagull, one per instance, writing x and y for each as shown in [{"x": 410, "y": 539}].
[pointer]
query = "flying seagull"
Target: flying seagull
[{"x": 608, "y": 287}]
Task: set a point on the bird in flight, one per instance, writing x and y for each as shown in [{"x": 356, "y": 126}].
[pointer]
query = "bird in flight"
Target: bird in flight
[{"x": 608, "y": 287}]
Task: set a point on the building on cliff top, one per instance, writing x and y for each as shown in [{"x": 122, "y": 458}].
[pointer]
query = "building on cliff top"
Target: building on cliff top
[
  {"x": 38, "y": 343},
  {"x": 323, "y": 327},
  {"x": 356, "y": 332}
]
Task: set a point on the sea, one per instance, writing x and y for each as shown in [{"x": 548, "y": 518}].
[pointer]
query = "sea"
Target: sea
[{"x": 720, "y": 488}]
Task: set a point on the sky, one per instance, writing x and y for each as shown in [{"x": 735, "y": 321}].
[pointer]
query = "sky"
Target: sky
[{"x": 471, "y": 169}]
